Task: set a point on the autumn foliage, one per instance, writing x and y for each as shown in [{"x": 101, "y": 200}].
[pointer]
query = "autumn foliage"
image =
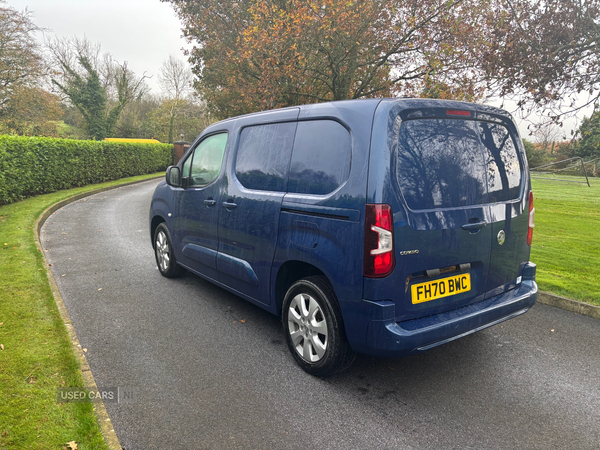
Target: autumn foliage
[
  {"x": 259, "y": 54},
  {"x": 547, "y": 53}
]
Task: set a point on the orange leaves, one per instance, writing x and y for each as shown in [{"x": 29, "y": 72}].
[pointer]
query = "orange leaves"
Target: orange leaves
[{"x": 260, "y": 54}]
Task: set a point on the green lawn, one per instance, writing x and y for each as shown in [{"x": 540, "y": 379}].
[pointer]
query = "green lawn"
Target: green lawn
[
  {"x": 36, "y": 356},
  {"x": 566, "y": 238}
]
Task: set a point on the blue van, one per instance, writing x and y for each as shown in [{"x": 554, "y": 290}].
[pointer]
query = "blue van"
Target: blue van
[{"x": 380, "y": 226}]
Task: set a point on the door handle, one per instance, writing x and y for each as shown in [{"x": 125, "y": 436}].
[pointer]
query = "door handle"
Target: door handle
[
  {"x": 472, "y": 227},
  {"x": 210, "y": 202},
  {"x": 229, "y": 205}
]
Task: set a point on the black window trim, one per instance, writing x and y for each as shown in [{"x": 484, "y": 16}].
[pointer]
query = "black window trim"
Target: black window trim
[{"x": 192, "y": 152}]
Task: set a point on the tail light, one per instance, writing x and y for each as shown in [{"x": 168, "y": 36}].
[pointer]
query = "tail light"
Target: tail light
[
  {"x": 379, "y": 241},
  {"x": 531, "y": 219}
]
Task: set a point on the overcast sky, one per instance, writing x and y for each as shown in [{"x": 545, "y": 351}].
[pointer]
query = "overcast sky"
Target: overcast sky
[{"x": 142, "y": 32}]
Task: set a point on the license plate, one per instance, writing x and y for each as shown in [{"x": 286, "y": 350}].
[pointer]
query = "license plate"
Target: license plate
[{"x": 444, "y": 287}]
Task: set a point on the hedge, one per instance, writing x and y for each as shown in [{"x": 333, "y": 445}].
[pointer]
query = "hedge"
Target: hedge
[{"x": 35, "y": 165}]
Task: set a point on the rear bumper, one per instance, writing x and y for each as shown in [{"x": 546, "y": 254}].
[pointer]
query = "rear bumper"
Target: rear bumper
[{"x": 388, "y": 338}]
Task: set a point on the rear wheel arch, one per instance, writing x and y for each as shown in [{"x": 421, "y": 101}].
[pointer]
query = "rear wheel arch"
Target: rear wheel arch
[
  {"x": 314, "y": 328},
  {"x": 288, "y": 274}
]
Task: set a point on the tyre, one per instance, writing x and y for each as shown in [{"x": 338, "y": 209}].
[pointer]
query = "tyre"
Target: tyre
[
  {"x": 163, "y": 251},
  {"x": 313, "y": 327}
]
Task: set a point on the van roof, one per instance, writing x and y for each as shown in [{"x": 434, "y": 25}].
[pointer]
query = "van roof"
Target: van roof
[{"x": 400, "y": 103}]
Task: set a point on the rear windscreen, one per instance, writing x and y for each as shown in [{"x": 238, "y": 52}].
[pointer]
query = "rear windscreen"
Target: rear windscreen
[
  {"x": 502, "y": 161},
  {"x": 448, "y": 163},
  {"x": 440, "y": 164}
]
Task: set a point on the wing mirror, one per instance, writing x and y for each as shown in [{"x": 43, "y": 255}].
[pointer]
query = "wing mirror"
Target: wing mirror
[{"x": 173, "y": 176}]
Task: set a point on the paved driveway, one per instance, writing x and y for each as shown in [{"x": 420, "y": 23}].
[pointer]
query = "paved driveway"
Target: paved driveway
[{"x": 211, "y": 371}]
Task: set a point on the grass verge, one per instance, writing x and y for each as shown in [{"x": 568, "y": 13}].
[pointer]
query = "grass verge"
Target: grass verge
[
  {"x": 566, "y": 238},
  {"x": 36, "y": 356}
]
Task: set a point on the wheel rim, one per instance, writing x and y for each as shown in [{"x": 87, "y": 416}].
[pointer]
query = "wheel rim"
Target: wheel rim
[
  {"x": 307, "y": 328},
  {"x": 163, "y": 256}
]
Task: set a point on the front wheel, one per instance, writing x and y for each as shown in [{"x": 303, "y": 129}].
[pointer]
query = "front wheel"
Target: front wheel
[
  {"x": 313, "y": 327},
  {"x": 163, "y": 251}
]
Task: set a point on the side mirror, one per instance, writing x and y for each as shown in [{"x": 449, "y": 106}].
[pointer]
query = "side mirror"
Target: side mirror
[{"x": 173, "y": 176}]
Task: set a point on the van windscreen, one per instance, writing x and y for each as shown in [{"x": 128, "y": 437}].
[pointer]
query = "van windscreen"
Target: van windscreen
[{"x": 439, "y": 164}]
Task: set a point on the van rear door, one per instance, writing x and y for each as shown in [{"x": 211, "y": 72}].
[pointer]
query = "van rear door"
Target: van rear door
[
  {"x": 442, "y": 230},
  {"x": 506, "y": 173}
]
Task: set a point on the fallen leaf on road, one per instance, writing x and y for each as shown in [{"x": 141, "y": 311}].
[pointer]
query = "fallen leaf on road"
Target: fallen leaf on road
[
  {"x": 100, "y": 289},
  {"x": 71, "y": 445},
  {"x": 552, "y": 331},
  {"x": 85, "y": 350},
  {"x": 243, "y": 321},
  {"x": 64, "y": 275}
]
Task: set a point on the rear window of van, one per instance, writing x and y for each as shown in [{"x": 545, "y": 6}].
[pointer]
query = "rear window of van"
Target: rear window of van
[
  {"x": 504, "y": 170},
  {"x": 263, "y": 156},
  {"x": 440, "y": 164},
  {"x": 321, "y": 157},
  {"x": 449, "y": 163}
]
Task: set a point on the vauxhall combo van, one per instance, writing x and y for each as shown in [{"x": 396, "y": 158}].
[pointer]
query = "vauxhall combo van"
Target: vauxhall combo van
[{"x": 381, "y": 226}]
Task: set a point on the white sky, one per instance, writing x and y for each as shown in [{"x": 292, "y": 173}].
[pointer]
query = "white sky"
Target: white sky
[{"x": 142, "y": 32}]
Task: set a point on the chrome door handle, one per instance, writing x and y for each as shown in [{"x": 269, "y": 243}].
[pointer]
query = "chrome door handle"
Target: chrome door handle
[
  {"x": 229, "y": 205},
  {"x": 210, "y": 202}
]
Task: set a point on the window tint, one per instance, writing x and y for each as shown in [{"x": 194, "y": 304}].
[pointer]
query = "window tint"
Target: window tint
[
  {"x": 502, "y": 161},
  {"x": 206, "y": 161},
  {"x": 440, "y": 164},
  {"x": 263, "y": 156},
  {"x": 321, "y": 157}
]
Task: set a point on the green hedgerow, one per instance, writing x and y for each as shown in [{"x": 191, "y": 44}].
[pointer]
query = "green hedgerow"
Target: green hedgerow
[{"x": 34, "y": 165}]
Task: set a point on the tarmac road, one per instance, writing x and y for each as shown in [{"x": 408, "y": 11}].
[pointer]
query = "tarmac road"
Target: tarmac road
[{"x": 211, "y": 371}]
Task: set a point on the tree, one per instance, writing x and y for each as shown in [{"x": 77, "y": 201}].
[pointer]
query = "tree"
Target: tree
[
  {"x": 86, "y": 79},
  {"x": 136, "y": 121},
  {"x": 588, "y": 136},
  {"x": 536, "y": 156},
  {"x": 257, "y": 54},
  {"x": 20, "y": 60},
  {"x": 548, "y": 136},
  {"x": 175, "y": 79},
  {"x": 547, "y": 53},
  {"x": 191, "y": 119},
  {"x": 31, "y": 111}
]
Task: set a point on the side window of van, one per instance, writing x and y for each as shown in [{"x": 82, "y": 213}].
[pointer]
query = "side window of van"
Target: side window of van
[
  {"x": 321, "y": 157},
  {"x": 504, "y": 170},
  {"x": 204, "y": 164},
  {"x": 263, "y": 156},
  {"x": 439, "y": 164}
]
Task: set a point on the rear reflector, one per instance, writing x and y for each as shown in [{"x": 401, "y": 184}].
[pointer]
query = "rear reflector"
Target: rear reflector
[
  {"x": 379, "y": 241},
  {"x": 531, "y": 219},
  {"x": 458, "y": 112}
]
